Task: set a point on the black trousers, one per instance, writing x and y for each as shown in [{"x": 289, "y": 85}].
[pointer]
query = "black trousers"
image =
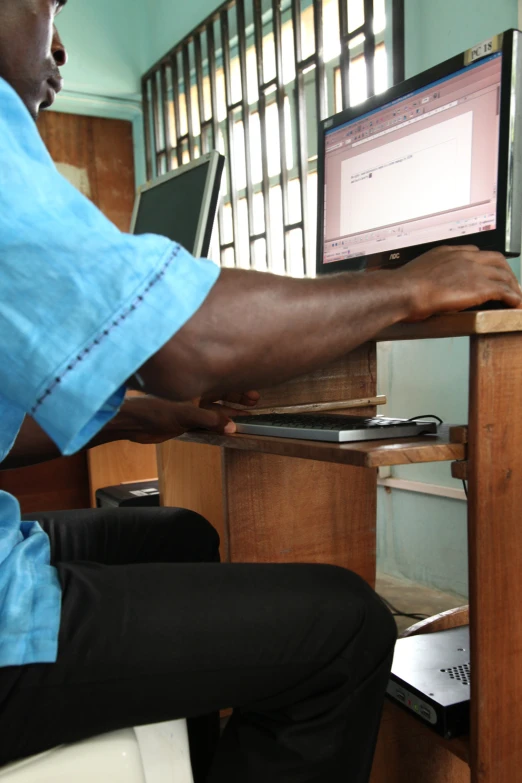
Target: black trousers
[{"x": 153, "y": 628}]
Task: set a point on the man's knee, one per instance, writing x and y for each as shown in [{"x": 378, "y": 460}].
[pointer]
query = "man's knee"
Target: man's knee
[
  {"x": 204, "y": 537},
  {"x": 356, "y": 611}
]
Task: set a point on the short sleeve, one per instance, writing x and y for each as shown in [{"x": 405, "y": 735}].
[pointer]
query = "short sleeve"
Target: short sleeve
[
  {"x": 82, "y": 305},
  {"x": 11, "y": 419}
]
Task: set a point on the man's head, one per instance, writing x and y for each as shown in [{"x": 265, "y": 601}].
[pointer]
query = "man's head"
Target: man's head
[{"x": 31, "y": 51}]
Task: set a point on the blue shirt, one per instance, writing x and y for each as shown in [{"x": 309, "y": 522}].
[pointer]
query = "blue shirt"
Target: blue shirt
[{"x": 82, "y": 307}]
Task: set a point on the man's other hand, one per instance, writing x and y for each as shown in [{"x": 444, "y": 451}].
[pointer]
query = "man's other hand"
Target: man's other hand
[
  {"x": 449, "y": 279},
  {"x": 153, "y": 420}
]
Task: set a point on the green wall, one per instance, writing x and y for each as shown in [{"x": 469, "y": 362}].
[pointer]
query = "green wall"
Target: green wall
[
  {"x": 106, "y": 45},
  {"x": 170, "y": 21},
  {"x": 421, "y": 536}
]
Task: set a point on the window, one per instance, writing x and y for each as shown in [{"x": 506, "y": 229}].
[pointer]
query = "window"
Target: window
[{"x": 253, "y": 81}]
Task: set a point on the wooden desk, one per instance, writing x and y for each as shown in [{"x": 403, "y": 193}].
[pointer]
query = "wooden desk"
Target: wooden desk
[{"x": 281, "y": 501}]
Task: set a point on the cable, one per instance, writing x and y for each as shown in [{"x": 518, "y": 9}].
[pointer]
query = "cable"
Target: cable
[
  {"x": 397, "y": 613},
  {"x": 427, "y": 416},
  {"x": 465, "y": 485}
]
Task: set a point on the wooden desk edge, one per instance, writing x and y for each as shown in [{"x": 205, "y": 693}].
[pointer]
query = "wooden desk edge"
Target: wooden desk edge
[
  {"x": 456, "y": 325},
  {"x": 365, "y": 455}
]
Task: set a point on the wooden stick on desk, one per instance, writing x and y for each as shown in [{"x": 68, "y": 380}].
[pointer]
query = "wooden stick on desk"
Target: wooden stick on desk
[{"x": 320, "y": 407}]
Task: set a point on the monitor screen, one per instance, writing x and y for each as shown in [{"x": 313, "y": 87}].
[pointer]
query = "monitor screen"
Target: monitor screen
[
  {"x": 173, "y": 208},
  {"x": 421, "y": 169}
]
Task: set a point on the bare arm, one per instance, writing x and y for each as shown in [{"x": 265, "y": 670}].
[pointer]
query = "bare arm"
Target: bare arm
[
  {"x": 141, "y": 420},
  {"x": 255, "y": 330},
  {"x": 33, "y": 446}
]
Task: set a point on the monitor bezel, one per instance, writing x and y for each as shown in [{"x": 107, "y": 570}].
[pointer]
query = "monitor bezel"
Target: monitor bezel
[
  {"x": 506, "y": 237},
  {"x": 209, "y": 204}
]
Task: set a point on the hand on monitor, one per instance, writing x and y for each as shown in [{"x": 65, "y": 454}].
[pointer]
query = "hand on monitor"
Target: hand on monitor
[{"x": 449, "y": 279}]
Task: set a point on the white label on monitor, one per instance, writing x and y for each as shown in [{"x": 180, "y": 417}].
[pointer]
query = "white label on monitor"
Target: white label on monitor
[{"x": 482, "y": 50}]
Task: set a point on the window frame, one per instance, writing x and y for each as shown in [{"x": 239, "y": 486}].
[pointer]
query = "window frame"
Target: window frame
[{"x": 186, "y": 74}]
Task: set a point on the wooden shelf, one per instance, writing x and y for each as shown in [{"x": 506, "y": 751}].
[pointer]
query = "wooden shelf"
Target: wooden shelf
[
  {"x": 410, "y": 725},
  {"x": 457, "y": 325},
  {"x": 368, "y": 454}
]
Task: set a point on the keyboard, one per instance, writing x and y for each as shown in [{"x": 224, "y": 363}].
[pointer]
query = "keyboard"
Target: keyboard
[{"x": 331, "y": 427}]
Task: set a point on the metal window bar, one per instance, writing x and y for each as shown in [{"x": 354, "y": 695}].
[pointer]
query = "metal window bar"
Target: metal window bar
[
  {"x": 245, "y": 112},
  {"x": 262, "y": 87},
  {"x": 167, "y": 132},
  {"x": 302, "y": 135},
  {"x": 175, "y": 100},
  {"x": 280, "y": 100},
  {"x": 157, "y": 116},
  {"x": 187, "y": 85},
  {"x": 230, "y": 162}
]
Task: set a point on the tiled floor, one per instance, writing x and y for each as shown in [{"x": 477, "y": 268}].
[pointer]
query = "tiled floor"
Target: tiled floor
[{"x": 413, "y": 598}]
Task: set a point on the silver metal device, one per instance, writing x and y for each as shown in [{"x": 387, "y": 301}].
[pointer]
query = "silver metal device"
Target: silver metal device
[
  {"x": 431, "y": 678},
  {"x": 331, "y": 428}
]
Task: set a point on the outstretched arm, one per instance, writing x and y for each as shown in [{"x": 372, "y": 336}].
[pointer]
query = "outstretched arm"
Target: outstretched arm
[{"x": 255, "y": 330}]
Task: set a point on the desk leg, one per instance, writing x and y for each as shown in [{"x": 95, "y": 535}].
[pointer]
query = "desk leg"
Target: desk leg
[
  {"x": 270, "y": 509},
  {"x": 190, "y": 476},
  {"x": 280, "y": 510},
  {"x": 495, "y": 557}
]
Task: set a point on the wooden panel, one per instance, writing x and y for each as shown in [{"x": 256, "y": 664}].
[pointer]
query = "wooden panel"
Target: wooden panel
[
  {"x": 409, "y": 751},
  {"x": 367, "y": 454},
  {"x": 459, "y": 434},
  {"x": 495, "y": 557},
  {"x": 191, "y": 477},
  {"x": 52, "y": 486},
  {"x": 298, "y": 518},
  {"x": 283, "y": 510},
  {"x": 353, "y": 377},
  {"x": 97, "y": 155},
  {"x": 459, "y": 470},
  {"x": 456, "y": 325},
  {"x": 321, "y": 407},
  {"x": 119, "y": 462}
]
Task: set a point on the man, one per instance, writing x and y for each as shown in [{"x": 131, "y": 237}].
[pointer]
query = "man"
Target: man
[{"x": 125, "y": 627}]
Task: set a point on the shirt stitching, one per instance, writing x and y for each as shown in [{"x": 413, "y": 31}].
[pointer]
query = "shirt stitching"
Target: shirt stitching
[{"x": 98, "y": 340}]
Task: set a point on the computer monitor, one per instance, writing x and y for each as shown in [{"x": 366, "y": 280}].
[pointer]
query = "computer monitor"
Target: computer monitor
[
  {"x": 182, "y": 204},
  {"x": 434, "y": 160}
]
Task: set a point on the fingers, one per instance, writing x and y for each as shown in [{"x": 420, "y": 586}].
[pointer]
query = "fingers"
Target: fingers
[
  {"x": 248, "y": 399},
  {"x": 216, "y": 417},
  {"x": 507, "y": 294},
  {"x": 490, "y": 258},
  {"x": 469, "y": 248}
]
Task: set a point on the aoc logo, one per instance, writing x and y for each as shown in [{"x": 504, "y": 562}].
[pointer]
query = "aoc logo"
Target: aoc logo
[{"x": 395, "y": 257}]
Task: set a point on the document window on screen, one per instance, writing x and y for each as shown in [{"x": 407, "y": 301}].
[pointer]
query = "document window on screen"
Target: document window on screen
[{"x": 422, "y": 169}]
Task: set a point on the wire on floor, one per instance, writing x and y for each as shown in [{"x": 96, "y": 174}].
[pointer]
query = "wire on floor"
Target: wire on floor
[{"x": 397, "y": 612}]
